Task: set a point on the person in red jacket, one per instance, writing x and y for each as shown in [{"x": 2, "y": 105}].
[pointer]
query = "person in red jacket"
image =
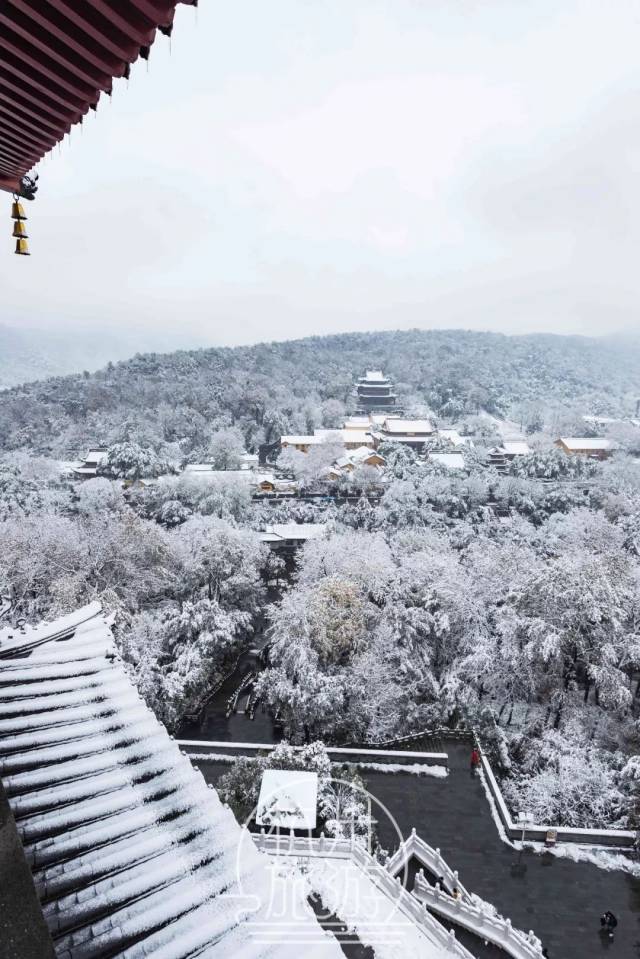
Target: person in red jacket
[{"x": 475, "y": 761}]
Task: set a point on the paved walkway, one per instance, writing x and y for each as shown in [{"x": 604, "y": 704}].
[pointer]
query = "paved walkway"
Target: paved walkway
[{"x": 559, "y": 899}]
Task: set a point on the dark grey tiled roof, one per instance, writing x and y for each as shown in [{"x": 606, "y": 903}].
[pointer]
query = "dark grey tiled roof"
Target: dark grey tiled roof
[{"x": 131, "y": 853}]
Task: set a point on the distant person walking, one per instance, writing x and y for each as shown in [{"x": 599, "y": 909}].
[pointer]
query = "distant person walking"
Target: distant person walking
[
  {"x": 608, "y": 923},
  {"x": 475, "y": 761}
]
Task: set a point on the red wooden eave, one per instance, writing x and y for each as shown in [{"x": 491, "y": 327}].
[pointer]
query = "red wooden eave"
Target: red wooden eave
[{"x": 56, "y": 58}]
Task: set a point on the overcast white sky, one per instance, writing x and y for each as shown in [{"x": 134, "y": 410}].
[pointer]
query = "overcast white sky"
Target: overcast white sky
[{"x": 292, "y": 167}]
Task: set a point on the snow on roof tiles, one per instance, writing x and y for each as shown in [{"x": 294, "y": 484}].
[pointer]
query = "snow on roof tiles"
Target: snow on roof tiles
[
  {"x": 410, "y": 427},
  {"x": 96, "y": 456},
  {"x": 586, "y": 443},
  {"x": 288, "y": 798},
  {"x": 131, "y": 853},
  {"x": 357, "y": 423},
  {"x": 300, "y": 531},
  {"x": 453, "y": 461},
  {"x": 516, "y": 448}
]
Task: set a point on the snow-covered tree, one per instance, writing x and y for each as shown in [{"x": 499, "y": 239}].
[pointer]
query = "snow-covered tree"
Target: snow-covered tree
[
  {"x": 131, "y": 461},
  {"x": 225, "y": 449}
]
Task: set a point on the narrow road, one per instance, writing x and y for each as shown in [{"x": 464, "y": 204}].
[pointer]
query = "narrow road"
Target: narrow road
[{"x": 559, "y": 899}]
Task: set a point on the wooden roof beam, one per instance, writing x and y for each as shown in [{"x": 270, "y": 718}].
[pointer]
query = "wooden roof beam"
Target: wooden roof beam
[
  {"x": 86, "y": 48},
  {"x": 58, "y": 52},
  {"x": 84, "y": 24},
  {"x": 9, "y": 184},
  {"x": 40, "y": 82},
  {"x": 40, "y": 109},
  {"x": 143, "y": 30},
  {"x": 158, "y": 11},
  {"x": 46, "y": 68},
  {"x": 21, "y": 120}
]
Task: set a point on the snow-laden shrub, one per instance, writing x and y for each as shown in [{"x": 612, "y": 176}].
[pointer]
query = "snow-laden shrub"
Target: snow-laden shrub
[{"x": 561, "y": 783}]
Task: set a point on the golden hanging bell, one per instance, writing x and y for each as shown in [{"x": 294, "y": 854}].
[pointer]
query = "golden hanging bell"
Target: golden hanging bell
[
  {"x": 22, "y": 248},
  {"x": 20, "y": 230},
  {"x": 17, "y": 211}
]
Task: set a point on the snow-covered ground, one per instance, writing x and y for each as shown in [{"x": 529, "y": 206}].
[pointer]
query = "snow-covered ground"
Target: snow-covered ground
[{"x": 603, "y": 858}]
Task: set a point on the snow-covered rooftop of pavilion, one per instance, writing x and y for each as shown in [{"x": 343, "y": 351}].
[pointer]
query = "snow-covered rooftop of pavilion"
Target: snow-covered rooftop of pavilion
[
  {"x": 586, "y": 443},
  {"x": 359, "y": 456},
  {"x": 516, "y": 448},
  {"x": 455, "y": 437},
  {"x": 357, "y": 423},
  {"x": 290, "y": 531},
  {"x": 244, "y": 475},
  {"x": 288, "y": 798},
  {"x": 96, "y": 456},
  {"x": 407, "y": 427},
  {"x": 453, "y": 461},
  {"x": 131, "y": 853}
]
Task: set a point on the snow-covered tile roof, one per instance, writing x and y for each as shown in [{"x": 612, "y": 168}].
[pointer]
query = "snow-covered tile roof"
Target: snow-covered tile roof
[
  {"x": 301, "y": 531},
  {"x": 357, "y": 423},
  {"x": 516, "y": 448},
  {"x": 131, "y": 853},
  {"x": 205, "y": 468},
  {"x": 455, "y": 437},
  {"x": 288, "y": 798},
  {"x": 453, "y": 461},
  {"x": 96, "y": 456},
  {"x": 363, "y": 453},
  {"x": 586, "y": 443},
  {"x": 245, "y": 476},
  {"x": 355, "y": 436},
  {"x": 414, "y": 427}
]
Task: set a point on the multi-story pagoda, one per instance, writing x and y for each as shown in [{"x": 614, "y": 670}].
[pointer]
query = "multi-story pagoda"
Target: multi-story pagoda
[{"x": 374, "y": 392}]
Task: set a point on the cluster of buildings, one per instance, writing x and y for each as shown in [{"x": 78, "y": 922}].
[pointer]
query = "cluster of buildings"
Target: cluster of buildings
[{"x": 377, "y": 422}]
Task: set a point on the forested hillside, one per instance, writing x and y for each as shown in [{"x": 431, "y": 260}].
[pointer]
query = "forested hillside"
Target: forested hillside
[
  {"x": 503, "y": 598},
  {"x": 274, "y": 388}
]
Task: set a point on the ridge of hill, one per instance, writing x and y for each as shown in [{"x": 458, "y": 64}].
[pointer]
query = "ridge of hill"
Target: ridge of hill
[{"x": 280, "y": 386}]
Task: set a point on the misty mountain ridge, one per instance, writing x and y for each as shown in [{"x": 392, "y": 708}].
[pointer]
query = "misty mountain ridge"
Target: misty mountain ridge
[
  {"x": 28, "y": 353},
  {"x": 181, "y": 399}
]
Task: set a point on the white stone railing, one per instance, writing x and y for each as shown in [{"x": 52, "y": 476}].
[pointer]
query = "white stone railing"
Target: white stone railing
[
  {"x": 429, "y": 858},
  {"x": 462, "y": 910},
  {"x": 338, "y": 753},
  {"x": 406, "y": 902},
  {"x": 479, "y": 920}
]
